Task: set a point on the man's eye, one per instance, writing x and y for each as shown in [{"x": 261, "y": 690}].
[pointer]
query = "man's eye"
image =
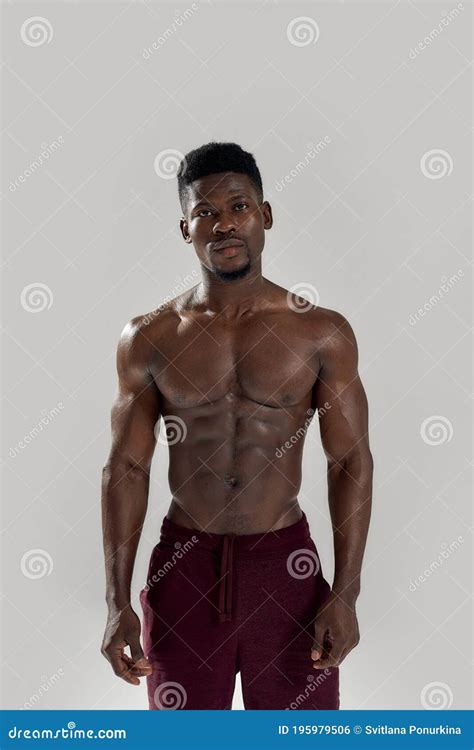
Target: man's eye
[
  {"x": 203, "y": 211},
  {"x": 246, "y": 205}
]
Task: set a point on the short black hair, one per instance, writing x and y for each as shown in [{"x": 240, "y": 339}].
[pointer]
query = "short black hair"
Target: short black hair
[{"x": 213, "y": 158}]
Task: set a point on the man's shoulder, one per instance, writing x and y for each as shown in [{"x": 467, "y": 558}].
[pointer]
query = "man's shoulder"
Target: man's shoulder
[
  {"x": 329, "y": 329},
  {"x": 334, "y": 335},
  {"x": 147, "y": 324},
  {"x": 305, "y": 303},
  {"x": 331, "y": 322},
  {"x": 143, "y": 333}
]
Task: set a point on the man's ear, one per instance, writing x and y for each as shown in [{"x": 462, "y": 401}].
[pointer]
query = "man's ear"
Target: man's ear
[
  {"x": 183, "y": 225},
  {"x": 267, "y": 215}
]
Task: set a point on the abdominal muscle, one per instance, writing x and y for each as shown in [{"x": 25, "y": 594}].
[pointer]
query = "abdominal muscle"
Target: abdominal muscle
[{"x": 240, "y": 485}]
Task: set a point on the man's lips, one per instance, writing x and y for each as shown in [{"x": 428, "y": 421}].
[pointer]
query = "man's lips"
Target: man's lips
[{"x": 226, "y": 244}]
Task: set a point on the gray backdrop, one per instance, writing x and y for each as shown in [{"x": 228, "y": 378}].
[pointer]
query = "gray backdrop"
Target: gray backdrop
[{"x": 359, "y": 115}]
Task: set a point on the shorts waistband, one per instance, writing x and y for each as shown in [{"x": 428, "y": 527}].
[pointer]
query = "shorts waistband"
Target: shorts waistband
[{"x": 247, "y": 544}]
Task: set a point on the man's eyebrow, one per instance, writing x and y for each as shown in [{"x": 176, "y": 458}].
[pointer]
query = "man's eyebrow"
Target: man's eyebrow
[{"x": 233, "y": 195}]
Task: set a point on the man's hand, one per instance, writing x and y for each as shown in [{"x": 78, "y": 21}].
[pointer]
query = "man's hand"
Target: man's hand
[
  {"x": 336, "y": 632},
  {"x": 123, "y": 629}
]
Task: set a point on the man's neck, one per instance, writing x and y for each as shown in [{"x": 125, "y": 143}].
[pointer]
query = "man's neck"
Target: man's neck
[{"x": 231, "y": 297}]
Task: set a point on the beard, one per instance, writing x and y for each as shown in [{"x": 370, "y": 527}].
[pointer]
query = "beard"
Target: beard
[{"x": 228, "y": 276}]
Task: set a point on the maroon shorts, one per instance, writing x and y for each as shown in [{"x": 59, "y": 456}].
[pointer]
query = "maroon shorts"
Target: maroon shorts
[{"x": 218, "y": 604}]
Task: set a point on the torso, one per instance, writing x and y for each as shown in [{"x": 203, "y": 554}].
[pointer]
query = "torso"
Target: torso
[{"x": 237, "y": 391}]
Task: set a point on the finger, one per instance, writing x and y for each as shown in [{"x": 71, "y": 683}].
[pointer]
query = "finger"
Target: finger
[
  {"x": 322, "y": 644},
  {"x": 120, "y": 666},
  {"x": 131, "y": 671},
  {"x": 130, "y": 664},
  {"x": 330, "y": 660},
  {"x": 122, "y": 670},
  {"x": 141, "y": 670},
  {"x": 322, "y": 662},
  {"x": 325, "y": 653},
  {"x": 317, "y": 649},
  {"x": 141, "y": 665}
]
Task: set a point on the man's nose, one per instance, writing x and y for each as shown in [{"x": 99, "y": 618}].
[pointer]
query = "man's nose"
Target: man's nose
[{"x": 224, "y": 224}]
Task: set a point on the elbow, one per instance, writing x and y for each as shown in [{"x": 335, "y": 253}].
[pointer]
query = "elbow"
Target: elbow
[
  {"x": 357, "y": 463},
  {"x": 119, "y": 470}
]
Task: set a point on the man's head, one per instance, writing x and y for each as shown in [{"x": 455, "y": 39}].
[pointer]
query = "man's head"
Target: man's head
[{"x": 221, "y": 195}]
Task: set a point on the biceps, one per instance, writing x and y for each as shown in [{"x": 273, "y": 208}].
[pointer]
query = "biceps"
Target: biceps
[
  {"x": 343, "y": 418},
  {"x": 134, "y": 419}
]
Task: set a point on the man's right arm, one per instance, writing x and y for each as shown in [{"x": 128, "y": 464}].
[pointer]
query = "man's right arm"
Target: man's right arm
[{"x": 125, "y": 486}]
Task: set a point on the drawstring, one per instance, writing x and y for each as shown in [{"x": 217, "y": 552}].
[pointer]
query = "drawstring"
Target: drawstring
[{"x": 225, "y": 588}]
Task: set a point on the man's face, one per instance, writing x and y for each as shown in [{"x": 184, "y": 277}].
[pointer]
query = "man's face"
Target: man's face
[{"x": 224, "y": 208}]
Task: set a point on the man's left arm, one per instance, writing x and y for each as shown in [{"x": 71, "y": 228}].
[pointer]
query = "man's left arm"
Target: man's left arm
[{"x": 340, "y": 398}]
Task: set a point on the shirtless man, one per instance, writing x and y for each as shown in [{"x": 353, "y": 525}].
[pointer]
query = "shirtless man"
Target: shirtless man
[{"x": 236, "y": 367}]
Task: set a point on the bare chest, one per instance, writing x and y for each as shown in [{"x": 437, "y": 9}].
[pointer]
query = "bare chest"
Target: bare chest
[{"x": 268, "y": 360}]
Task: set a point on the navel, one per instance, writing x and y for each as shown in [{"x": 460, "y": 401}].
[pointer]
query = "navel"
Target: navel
[{"x": 230, "y": 481}]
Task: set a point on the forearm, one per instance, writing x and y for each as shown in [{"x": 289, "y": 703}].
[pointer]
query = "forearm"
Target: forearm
[
  {"x": 350, "y": 503},
  {"x": 124, "y": 506}
]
